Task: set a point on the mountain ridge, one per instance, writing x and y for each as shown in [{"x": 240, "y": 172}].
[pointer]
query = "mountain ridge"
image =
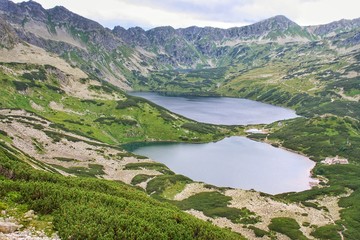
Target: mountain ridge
[{"x": 121, "y": 56}]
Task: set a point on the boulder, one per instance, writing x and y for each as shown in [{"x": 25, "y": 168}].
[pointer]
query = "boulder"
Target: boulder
[
  {"x": 8, "y": 227},
  {"x": 30, "y": 215}
]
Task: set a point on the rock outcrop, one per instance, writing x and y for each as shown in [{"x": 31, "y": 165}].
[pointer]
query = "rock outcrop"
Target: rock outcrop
[
  {"x": 8, "y": 37},
  {"x": 7, "y": 226}
]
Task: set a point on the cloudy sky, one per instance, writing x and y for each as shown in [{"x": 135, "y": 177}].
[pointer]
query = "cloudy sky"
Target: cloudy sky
[{"x": 217, "y": 13}]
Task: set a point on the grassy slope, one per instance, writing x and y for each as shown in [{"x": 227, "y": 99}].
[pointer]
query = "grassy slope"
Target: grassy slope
[
  {"x": 84, "y": 208},
  {"x": 109, "y": 121},
  {"x": 127, "y": 120}
]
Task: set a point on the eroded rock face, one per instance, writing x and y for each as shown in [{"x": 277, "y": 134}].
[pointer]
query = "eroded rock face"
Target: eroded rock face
[{"x": 8, "y": 37}]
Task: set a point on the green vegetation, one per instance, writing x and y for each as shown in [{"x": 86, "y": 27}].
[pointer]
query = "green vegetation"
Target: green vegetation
[
  {"x": 214, "y": 204},
  {"x": 103, "y": 209},
  {"x": 38, "y": 146},
  {"x": 259, "y": 232},
  {"x": 128, "y": 120},
  {"x": 197, "y": 81},
  {"x": 288, "y": 227},
  {"x": 112, "y": 120},
  {"x": 329, "y": 232},
  {"x": 198, "y": 127},
  {"x": 149, "y": 165},
  {"x": 140, "y": 178},
  {"x": 320, "y": 137},
  {"x": 341, "y": 178},
  {"x": 160, "y": 183},
  {"x": 128, "y": 103},
  {"x": 65, "y": 159},
  {"x": 35, "y": 75},
  {"x": 170, "y": 192},
  {"x": 93, "y": 170}
]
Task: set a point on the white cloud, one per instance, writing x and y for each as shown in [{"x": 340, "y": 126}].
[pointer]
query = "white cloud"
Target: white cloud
[
  {"x": 217, "y": 13},
  {"x": 325, "y": 11}
]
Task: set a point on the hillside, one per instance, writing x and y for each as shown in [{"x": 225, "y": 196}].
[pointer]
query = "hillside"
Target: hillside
[
  {"x": 83, "y": 208},
  {"x": 60, "y": 124},
  {"x": 64, "y": 112},
  {"x": 48, "y": 125}
]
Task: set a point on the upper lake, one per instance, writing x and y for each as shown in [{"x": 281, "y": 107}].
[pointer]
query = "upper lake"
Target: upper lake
[{"x": 220, "y": 110}]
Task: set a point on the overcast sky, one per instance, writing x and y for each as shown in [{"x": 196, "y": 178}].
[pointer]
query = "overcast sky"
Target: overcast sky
[{"x": 216, "y": 13}]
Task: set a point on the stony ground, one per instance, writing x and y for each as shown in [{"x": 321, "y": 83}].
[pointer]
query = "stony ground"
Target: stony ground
[
  {"x": 37, "y": 144},
  {"x": 267, "y": 208},
  {"x": 32, "y": 54},
  {"x": 23, "y": 227}
]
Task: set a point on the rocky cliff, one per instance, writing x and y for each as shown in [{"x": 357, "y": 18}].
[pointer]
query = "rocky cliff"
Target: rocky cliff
[{"x": 8, "y": 37}]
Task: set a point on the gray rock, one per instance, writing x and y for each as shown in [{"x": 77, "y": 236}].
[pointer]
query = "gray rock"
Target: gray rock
[
  {"x": 30, "y": 215},
  {"x": 8, "y": 227},
  {"x": 8, "y": 37}
]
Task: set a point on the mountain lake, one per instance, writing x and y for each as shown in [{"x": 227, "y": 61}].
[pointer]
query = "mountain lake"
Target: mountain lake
[
  {"x": 236, "y": 162},
  {"x": 220, "y": 110}
]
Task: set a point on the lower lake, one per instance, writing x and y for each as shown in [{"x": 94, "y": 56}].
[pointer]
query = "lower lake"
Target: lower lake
[
  {"x": 220, "y": 110},
  {"x": 235, "y": 162}
]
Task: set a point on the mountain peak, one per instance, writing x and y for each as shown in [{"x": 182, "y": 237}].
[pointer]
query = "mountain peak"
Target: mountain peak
[
  {"x": 163, "y": 29},
  {"x": 277, "y": 22},
  {"x": 281, "y": 18},
  {"x": 61, "y": 14},
  {"x": 60, "y": 9},
  {"x": 32, "y": 5},
  {"x": 275, "y": 28}
]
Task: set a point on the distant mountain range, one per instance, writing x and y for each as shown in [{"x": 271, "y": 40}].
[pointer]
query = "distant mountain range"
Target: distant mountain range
[{"x": 120, "y": 56}]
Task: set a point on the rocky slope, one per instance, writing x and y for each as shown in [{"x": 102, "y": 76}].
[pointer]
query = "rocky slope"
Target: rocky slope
[
  {"x": 82, "y": 42},
  {"x": 343, "y": 33},
  {"x": 195, "y": 46},
  {"x": 336, "y": 27},
  {"x": 8, "y": 37},
  {"x": 122, "y": 57}
]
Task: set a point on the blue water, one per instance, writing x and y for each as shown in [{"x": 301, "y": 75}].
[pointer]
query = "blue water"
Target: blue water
[
  {"x": 220, "y": 110},
  {"x": 235, "y": 162}
]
